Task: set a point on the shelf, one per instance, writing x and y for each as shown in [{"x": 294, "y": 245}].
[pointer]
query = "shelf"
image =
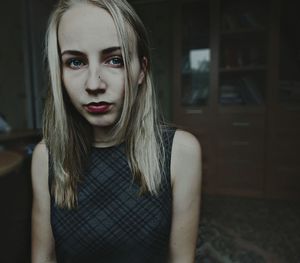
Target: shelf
[
  {"x": 241, "y": 109},
  {"x": 19, "y": 135},
  {"x": 242, "y": 69}
]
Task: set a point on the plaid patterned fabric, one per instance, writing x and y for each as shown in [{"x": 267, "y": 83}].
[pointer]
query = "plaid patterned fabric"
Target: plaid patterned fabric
[{"x": 112, "y": 222}]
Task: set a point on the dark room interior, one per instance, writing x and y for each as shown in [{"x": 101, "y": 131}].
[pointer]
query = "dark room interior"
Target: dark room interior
[{"x": 228, "y": 71}]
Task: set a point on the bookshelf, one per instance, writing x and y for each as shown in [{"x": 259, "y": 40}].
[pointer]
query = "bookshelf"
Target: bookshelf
[
  {"x": 242, "y": 91},
  {"x": 231, "y": 119},
  {"x": 243, "y": 43}
]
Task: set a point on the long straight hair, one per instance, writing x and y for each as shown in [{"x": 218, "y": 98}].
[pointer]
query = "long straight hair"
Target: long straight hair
[{"x": 69, "y": 136}]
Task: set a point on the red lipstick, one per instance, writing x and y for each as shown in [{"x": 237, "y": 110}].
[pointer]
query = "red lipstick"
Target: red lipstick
[{"x": 98, "y": 107}]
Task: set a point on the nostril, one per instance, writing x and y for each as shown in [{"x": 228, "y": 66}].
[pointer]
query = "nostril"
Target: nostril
[
  {"x": 95, "y": 91},
  {"x": 95, "y": 81},
  {"x": 96, "y": 86}
]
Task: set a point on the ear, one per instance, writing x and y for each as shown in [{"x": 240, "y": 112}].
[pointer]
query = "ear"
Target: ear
[{"x": 144, "y": 65}]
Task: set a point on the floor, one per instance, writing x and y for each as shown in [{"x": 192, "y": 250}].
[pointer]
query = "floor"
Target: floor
[{"x": 246, "y": 230}]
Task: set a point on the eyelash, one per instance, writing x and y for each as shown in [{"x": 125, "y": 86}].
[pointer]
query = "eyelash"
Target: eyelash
[
  {"x": 119, "y": 61},
  {"x": 116, "y": 62},
  {"x": 70, "y": 61}
]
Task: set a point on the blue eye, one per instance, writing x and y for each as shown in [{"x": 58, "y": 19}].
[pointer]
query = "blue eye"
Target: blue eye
[
  {"x": 75, "y": 63},
  {"x": 116, "y": 61}
]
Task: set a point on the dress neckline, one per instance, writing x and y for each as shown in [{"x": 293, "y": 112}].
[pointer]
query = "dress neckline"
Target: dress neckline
[{"x": 108, "y": 147}]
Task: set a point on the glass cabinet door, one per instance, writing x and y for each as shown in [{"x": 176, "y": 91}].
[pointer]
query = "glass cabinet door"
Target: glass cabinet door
[
  {"x": 195, "y": 60},
  {"x": 243, "y": 49}
]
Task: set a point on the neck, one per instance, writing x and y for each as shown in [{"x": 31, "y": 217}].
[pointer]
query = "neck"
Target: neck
[{"x": 103, "y": 137}]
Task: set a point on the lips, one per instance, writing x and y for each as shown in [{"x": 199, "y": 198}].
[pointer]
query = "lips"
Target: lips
[{"x": 98, "y": 107}]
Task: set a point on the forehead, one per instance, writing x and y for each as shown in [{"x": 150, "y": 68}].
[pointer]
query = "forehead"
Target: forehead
[{"x": 85, "y": 26}]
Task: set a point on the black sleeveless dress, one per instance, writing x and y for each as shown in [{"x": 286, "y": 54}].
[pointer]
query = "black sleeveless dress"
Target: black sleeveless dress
[{"x": 113, "y": 223}]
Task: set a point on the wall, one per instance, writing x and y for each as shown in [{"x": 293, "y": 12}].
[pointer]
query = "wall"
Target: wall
[
  {"x": 12, "y": 86},
  {"x": 35, "y": 16},
  {"x": 157, "y": 17}
]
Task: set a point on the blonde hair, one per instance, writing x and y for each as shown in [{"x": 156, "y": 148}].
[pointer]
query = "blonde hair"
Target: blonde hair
[{"x": 69, "y": 137}]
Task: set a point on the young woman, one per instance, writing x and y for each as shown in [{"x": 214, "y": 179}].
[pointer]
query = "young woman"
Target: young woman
[{"x": 110, "y": 182}]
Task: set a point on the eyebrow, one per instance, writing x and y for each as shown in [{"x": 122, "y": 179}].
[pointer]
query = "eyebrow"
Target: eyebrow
[
  {"x": 110, "y": 50},
  {"x": 103, "y": 52}
]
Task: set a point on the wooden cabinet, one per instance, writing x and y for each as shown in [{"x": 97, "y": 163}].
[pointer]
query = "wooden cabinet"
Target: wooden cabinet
[
  {"x": 230, "y": 116},
  {"x": 235, "y": 85},
  {"x": 247, "y": 150}
]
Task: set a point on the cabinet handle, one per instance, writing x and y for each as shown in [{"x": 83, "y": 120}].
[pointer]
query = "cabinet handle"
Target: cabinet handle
[
  {"x": 241, "y": 124},
  {"x": 194, "y": 111}
]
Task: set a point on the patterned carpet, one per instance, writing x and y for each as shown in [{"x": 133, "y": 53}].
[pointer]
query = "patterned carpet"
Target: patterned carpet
[{"x": 241, "y": 230}]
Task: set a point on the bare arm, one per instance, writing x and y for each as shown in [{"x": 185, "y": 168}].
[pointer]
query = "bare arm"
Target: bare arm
[
  {"x": 42, "y": 238},
  {"x": 186, "y": 182}
]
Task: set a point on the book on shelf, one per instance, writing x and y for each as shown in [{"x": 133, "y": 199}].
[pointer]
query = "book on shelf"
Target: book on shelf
[
  {"x": 237, "y": 21},
  {"x": 232, "y": 57},
  {"x": 230, "y": 94},
  {"x": 243, "y": 90},
  {"x": 250, "y": 91},
  {"x": 240, "y": 57},
  {"x": 248, "y": 20}
]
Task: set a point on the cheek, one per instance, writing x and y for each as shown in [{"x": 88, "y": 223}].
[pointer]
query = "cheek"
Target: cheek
[
  {"x": 68, "y": 81},
  {"x": 117, "y": 85},
  {"x": 73, "y": 78},
  {"x": 73, "y": 95},
  {"x": 66, "y": 84},
  {"x": 72, "y": 85}
]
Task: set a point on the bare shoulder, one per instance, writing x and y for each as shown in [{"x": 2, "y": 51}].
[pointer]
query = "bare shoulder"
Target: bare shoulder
[
  {"x": 186, "y": 156},
  {"x": 40, "y": 153},
  {"x": 40, "y": 149},
  {"x": 185, "y": 142},
  {"x": 39, "y": 164}
]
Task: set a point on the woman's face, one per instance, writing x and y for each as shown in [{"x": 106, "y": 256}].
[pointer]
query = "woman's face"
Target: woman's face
[{"x": 92, "y": 64}]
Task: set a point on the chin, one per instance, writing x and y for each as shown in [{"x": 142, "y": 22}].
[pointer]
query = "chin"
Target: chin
[{"x": 102, "y": 122}]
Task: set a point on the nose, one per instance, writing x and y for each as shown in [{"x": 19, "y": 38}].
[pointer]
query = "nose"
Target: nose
[{"x": 95, "y": 83}]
